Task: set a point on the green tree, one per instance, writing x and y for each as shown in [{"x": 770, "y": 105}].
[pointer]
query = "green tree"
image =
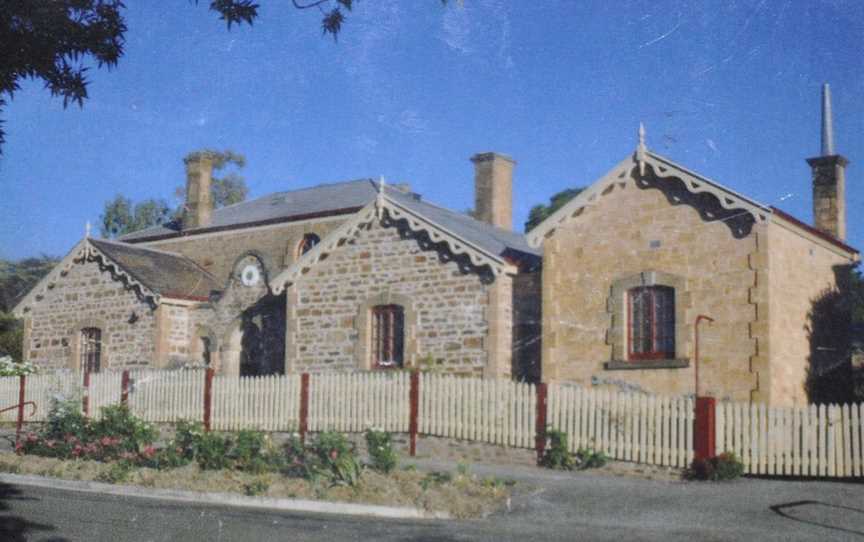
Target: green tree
[
  {"x": 51, "y": 40},
  {"x": 228, "y": 189},
  {"x": 16, "y": 279},
  {"x": 120, "y": 216},
  {"x": 541, "y": 212}
]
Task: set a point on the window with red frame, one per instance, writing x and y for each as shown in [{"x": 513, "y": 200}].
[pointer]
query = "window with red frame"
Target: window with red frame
[
  {"x": 651, "y": 322},
  {"x": 388, "y": 336}
]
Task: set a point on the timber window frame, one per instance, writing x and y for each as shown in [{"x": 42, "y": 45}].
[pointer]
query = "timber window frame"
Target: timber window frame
[
  {"x": 90, "y": 349},
  {"x": 675, "y": 353},
  {"x": 363, "y": 322},
  {"x": 387, "y": 336},
  {"x": 650, "y": 323}
]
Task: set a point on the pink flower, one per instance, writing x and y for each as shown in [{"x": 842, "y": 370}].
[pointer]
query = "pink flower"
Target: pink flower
[
  {"x": 49, "y": 444},
  {"x": 334, "y": 454},
  {"x": 149, "y": 452}
]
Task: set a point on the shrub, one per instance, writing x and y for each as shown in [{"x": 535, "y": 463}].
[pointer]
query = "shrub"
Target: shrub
[
  {"x": 380, "y": 446},
  {"x": 117, "y": 473},
  {"x": 435, "y": 477},
  {"x": 118, "y": 422},
  {"x": 253, "y": 452},
  {"x": 187, "y": 437},
  {"x": 64, "y": 419},
  {"x": 333, "y": 459},
  {"x": 725, "y": 466},
  {"x": 557, "y": 456},
  {"x": 586, "y": 458},
  {"x": 10, "y": 367},
  {"x": 212, "y": 451}
]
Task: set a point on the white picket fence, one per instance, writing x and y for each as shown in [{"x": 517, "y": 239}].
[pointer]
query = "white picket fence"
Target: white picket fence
[
  {"x": 627, "y": 426},
  {"x": 353, "y": 402},
  {"x": 267, "y": 403},
  {"x": 823, "y": 440},
  {"x": 494, "y": 411}
]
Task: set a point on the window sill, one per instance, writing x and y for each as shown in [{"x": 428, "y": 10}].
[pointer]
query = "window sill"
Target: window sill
[{"x": 622, "y": 365}]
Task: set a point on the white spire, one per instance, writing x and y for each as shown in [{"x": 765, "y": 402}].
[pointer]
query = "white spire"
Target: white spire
[
  {"x": 87, "y": 230},
  {"x": 827, "y": 122},
  {"x": 641, "y": 149}
]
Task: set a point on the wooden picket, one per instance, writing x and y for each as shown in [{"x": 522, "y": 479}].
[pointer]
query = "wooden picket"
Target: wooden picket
[{"x": 813, "y": 440}]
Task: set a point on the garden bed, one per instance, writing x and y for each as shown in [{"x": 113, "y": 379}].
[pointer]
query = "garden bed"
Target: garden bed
[{"x": 122, "y": 449}]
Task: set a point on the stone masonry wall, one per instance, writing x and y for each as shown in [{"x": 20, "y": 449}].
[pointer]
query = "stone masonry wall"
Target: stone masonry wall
[
  {"x": 450, "y": 306},
  {"x": 217, "y": 252},
  {"x": 628, "y": 231},
  {"x": 800, "y": 271},
  {"x": 86, "y": 297}
]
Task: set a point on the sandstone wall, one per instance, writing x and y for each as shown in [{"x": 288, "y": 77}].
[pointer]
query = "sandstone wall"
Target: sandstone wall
[
  {"x": 628, "y": 231},
  {"x": 801, "y": 271},
  {"x": 450, "y": 308},
  {"x": 86, "y": 297},
  {"x": 217, "y": 252}
]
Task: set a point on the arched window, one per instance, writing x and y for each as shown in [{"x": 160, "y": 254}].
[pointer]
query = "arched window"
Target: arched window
[
  {"x": 307, "y": 243},
  {"x": 651, "y": 322},
  {"x": 388, "y": 336},
  {"x": 91, "y": 349}
]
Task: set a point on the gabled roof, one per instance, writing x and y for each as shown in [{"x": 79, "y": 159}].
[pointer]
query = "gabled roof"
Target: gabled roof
[
  {"x": 151, "y": 274},
  {"x": 321, "y": 200},
  {"x": 663, "y": 169},
  {"x": 483, "y": 244},
  {"x": 165, "y": 273}
]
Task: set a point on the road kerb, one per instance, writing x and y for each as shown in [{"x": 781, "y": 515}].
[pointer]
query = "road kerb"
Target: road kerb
[{"x": 227, "y": 499}]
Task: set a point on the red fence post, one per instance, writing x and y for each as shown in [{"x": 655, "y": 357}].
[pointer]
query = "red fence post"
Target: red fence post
[
  {"x": 414, "y": 408},
  {"x": 208, "y": 397},
  {"x": 703, "y": 428},
  {"x": 86, "y": 400},
  {"x": 540, "y": 421},
  {"x": 124, "y": 388},
  {"x": 22, "y": 383},
  {"x": 304, "y": 406}
]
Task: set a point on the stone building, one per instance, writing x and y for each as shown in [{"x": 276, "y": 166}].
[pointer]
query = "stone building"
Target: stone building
[
  {"x": 632, "y": 262},
  {"x": 347, "y": 276},
  {"x": 361, "y": 275}
]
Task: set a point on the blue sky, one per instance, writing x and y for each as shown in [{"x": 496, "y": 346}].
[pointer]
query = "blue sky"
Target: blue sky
[{"x": 411, "y": 90}]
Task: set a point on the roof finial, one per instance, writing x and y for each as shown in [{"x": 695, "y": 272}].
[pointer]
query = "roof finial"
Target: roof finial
[
  {"x": 87, "y": 229},
  {"x": 379, "y": 200},
  {"x": 827, "y": 122},
  {"x": 641, "y": 149}
]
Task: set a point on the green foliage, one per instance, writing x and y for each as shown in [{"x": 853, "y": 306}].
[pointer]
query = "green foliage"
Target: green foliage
[
  {"x": 586, "y": 458},
  {"x": 120, "y": 216},
  {"x": 436, "y": 477},
  {"x": 462, "y": 468},
  {"x": 332, "y": 458},
  {"x": 541, "y": 212},
  {"x": 725, "y": 466},
  {"x": 253, "y": 452},
  {"x": 65, "y": 418},
  {"x": 256, "y": 487},
  {"x": 117, "y": 421},
  {"x": 212, "y": 451},
  {"x": 8, "y": 367},
  {"x": 16, "y": 279},
  {"x": 381, "y": 453},
  {"x": 51, "y": 41},
  {"x": 117, "y": 473},
  {"x": 557, "y": 455}
]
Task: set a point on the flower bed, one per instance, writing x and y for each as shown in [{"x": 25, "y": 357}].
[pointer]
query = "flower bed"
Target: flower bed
[{"x": 119, "y": 448}]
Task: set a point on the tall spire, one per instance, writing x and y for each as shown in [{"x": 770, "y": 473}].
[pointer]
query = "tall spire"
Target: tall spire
[
  {"x": 641, "y": 148},
  {"x": 827, "y": 122}
]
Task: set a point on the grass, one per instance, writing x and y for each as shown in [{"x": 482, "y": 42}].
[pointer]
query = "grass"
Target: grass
[{"x": 460, "y": 494}]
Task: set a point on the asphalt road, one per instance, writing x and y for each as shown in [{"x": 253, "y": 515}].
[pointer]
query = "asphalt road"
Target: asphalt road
[{"x": 558, "y": 507}]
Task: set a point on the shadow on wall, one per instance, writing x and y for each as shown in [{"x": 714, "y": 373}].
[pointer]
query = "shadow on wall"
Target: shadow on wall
[
  {"x": 830, "y": 375},
  {"x": 14, "y": 528}
]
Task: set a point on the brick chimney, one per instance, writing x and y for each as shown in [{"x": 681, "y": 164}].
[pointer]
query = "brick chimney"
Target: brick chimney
[
  {"x": 493, "y": 189},
  {"x": 829, "y": 178},
  {"x": 199, "y": 203}
]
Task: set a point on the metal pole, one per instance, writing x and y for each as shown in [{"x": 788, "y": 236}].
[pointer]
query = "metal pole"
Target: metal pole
[{"x": 699, "y": 319}]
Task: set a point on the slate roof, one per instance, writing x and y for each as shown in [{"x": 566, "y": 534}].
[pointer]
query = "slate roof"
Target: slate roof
[
  {"x": 165, "y": 273},
  {"x": 343, "y": 198}
]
